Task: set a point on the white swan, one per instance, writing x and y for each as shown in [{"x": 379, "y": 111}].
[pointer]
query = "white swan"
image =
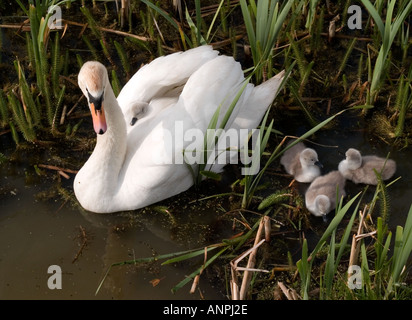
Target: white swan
[
  {"x": 361, "y": 169},
  {"x": 320, "y": 198},
  {"x": 301, "y": 162},
  {"x": 133, "y": 166}
]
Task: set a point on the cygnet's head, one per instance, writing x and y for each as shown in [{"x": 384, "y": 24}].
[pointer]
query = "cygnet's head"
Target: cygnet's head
[
  {"x": 93, "y": 80},
  {"x": 322, "y": 204},
  {"x": 135, "y": 112},
  {"x": 353, "y": 158},
  {"x": 309, "y": 157}
]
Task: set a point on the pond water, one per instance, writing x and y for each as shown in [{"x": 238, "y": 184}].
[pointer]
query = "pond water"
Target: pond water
[{"x": 35, "y": 234}]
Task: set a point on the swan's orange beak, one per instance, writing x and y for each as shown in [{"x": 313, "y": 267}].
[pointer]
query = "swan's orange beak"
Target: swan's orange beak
[{"x": 99, "y": 118}]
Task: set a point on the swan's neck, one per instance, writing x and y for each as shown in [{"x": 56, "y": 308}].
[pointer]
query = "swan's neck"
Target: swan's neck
[{"x": 98, "y": 180}]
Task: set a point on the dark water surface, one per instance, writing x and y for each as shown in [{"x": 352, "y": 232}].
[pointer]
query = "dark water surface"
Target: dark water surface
[{"x": 36, "y": 234}]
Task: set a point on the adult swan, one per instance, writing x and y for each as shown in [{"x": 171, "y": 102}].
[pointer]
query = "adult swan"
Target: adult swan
[{"x": 135, "y": 164}]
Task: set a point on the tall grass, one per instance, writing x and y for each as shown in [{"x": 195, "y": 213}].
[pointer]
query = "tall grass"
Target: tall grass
[
  {"x": 403, "y": 101},
  {"x": 305, "y": 264},
  {"x": 388, "y": 29},
  {"x": 264, "y": 22},
  {"x": 37, "y": 107},
  {"x": 198, "y": 36}
]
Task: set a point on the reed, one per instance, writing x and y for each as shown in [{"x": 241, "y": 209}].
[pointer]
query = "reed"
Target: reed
[
  {"x": 22, "y": 119},
  {"x": 311, "y": 14},
  {"x": 49, "y": 94},
  {"x": 229, "y": 246},
  {"x": 123, "y": 58},
  {"x": 91, "y": 47},
  {"x": 263, "y": 22},
  {"x": 58, "y": 104},
  {"x": 185, "y": 39},
  {"x": 345, "y": 59},
  {"x": 305, "y": 264},
  {"x": 56, "y": 66},
  {"x": 199, "y": 34},
  {"x": 275, "y": 199},
  {"x": 31, "y": 110},
  {"x": 4, "y": 110},
  {"x": 381, "y": 273},
  {"x": 92, "y": 24},
  {"x": 387, "y": 30},
  {"x": 174, "y": 258},
  {"x": 401, "y": 254},
  {"x": 115, "y": 83},
  {"x": 403, "y": 102}
]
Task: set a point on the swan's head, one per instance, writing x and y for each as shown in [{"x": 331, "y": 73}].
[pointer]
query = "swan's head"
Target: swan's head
[
  {"x": 93, "y": 80},
  {"x": 323, "y": 205},
  {"x": 354, "y": 159},
  {"x": 309, "y": 157}
]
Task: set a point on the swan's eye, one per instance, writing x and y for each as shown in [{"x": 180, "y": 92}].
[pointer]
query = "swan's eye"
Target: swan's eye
[{"x": 96, "y": 101}]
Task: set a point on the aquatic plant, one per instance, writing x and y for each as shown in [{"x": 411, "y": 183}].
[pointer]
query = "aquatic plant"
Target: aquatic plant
[
  {"x": 387, "y": 30},
  {"x": 403, "y": 101},
  {"x": 4, "y": 110},
  {"x": 38, "y": 106},
  {"x": 305, "y": 264},
  {"x": 228, "y": 246},
  {"x": 196, "y": 29},
  {"x": 263, "y": 22},
  {"x": 381, "y": 282}
]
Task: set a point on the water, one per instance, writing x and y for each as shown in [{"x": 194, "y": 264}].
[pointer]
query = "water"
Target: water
[{"x": 35, "y": 234}]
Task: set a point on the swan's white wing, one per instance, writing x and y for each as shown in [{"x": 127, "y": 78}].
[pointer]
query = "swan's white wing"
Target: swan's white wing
[
  {"x": 252, "y": 112},
  {"x": 214, "y": 84},
  {"x": 162, "y": 75}
]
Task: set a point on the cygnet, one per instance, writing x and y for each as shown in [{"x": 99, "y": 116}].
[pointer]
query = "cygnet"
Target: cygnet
[
  {"x": 302, "y": 163},
  {"x": 361, "y": 169},
  {"x": 320, "y": 197}
]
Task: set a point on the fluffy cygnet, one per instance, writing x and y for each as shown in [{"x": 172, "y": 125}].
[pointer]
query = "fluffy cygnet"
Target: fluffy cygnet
[
  {"x": 302, "y": 163},
  {"x": 320, "y": 197},
  {"x": 361, "y": 169}
]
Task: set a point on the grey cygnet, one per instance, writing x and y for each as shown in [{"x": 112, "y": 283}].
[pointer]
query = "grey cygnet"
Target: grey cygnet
[
  {"x": 360, "y": 169},
  {"x": 320, "y": 198},
  {"x": 302, "y": 163}
]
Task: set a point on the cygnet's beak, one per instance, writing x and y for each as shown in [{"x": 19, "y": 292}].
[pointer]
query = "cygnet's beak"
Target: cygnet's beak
[
  {"x": 134, "y": 120},
  {"x": 320, "y": 165},
  {"x": 98, "y": 116},
  {"x": 324, "y": 218}
]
